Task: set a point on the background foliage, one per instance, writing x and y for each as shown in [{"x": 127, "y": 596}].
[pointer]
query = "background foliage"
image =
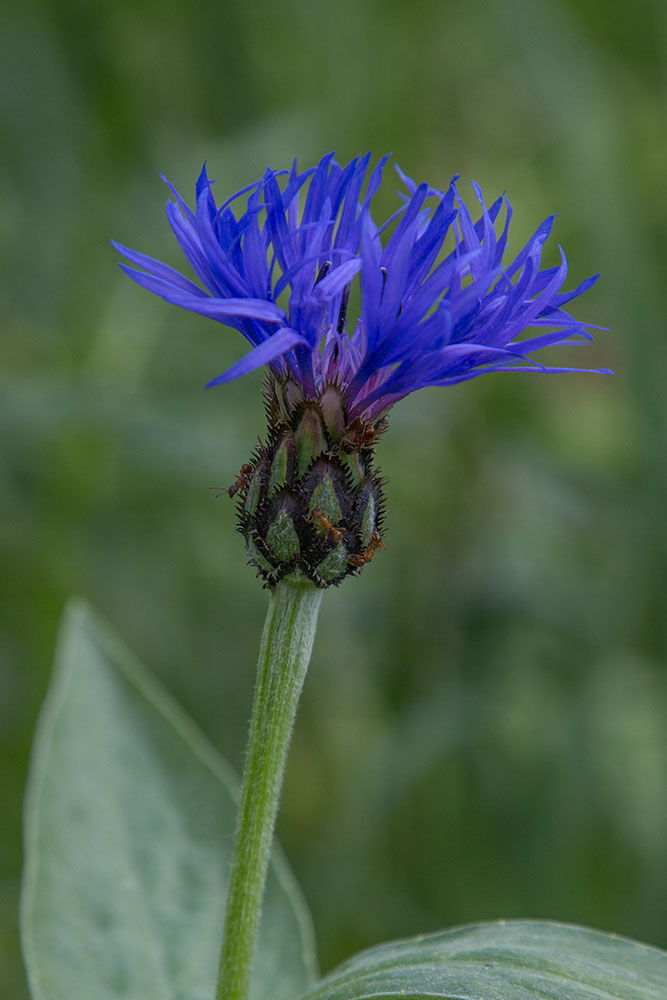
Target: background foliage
[{"x": 482, "y": 732}]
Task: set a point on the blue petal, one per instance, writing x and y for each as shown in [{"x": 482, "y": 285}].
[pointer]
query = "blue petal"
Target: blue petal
[
  {"x": 225, "y": 278},
  {"x": 545, "y": 370},
  {"x": 161, "y": 286},
  {"x": 191, "y": 247},
  {"x": 426, "y": 317},
  {"x": 336, "y": 279},
  {"x": 157, "y": 268},
  {"x": 540, "y": 236},
  {"x": 257, "y": 309},
  {"x": 559, "y": 300},
  {"x": 280, "y": 342},
  {"x": 547, "y": 339},
  {"x": 181, "y": 201}
]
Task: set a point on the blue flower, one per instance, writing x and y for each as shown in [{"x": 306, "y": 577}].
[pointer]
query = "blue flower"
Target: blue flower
[{"x": 438, "y": 303}]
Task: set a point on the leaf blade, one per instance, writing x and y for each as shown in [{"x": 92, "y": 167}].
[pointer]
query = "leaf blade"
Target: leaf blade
[
  {"x": 505, "y": 960},
  {"x": 130, "y": 815}
]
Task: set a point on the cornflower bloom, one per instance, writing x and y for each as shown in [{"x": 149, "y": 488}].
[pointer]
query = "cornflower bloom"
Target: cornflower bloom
[{"x": 310, "y": 500}]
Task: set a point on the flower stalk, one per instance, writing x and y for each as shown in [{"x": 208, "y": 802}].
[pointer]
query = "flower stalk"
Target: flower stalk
[
  {"x": 286, "y": 645},
  {"x": 440, "y": 303}
]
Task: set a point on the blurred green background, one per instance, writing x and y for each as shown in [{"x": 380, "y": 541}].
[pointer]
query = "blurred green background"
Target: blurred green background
[{"x": 483, "y": 728}]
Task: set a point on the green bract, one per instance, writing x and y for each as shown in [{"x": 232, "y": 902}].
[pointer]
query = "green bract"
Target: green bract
[{"x": 311, "y": 503}]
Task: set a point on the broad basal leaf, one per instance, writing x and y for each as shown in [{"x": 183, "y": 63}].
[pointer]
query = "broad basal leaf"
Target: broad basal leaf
[
  {"x": 129, "y": 823},
  {"x": 513, "y": 960}
]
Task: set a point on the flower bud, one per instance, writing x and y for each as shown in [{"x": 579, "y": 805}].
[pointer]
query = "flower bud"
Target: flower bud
[{"x": 311, "y": 504}]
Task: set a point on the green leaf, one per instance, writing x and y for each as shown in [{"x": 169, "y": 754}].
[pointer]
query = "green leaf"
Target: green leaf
[
  {"x": 507, "y": 960},
  {"x": 130, "y": 815}
]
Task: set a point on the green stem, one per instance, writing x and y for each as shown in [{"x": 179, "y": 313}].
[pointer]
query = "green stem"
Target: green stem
[{"x": 287, "y": 641}]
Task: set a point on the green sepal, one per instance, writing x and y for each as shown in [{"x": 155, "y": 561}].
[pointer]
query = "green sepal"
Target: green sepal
[
  {"x": 257, "y": 558},
  {"x": 253, "y": 491},
  {"x": 309, "y": 437},
  {"x": 293, "y": 395},
  {"x": 368, "y": 521},
  {"x": 354, "y": 463},
  {"x": 282, "y": 538},
  {"x": 333, "y": 411},
  {"x": 279, "y": 467},
  {"x": 334, "y": 564},
  {"x": 324, "y": 498}
]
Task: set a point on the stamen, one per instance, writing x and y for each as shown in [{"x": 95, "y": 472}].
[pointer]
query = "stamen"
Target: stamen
[
  {"x": 383, "y": 271},
  {"x": 342, "y": 312},
  {"x": 323, "y": 271},
  {"x": 384, "y": 282}
]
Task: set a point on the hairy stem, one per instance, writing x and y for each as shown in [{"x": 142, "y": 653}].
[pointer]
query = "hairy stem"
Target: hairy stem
[{"x": 287, "y": 641}]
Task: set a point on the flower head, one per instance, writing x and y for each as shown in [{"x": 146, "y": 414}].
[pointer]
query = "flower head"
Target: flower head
[
  {"x": 438, "y": 302},
  {"x": 438, "y": 306}
]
